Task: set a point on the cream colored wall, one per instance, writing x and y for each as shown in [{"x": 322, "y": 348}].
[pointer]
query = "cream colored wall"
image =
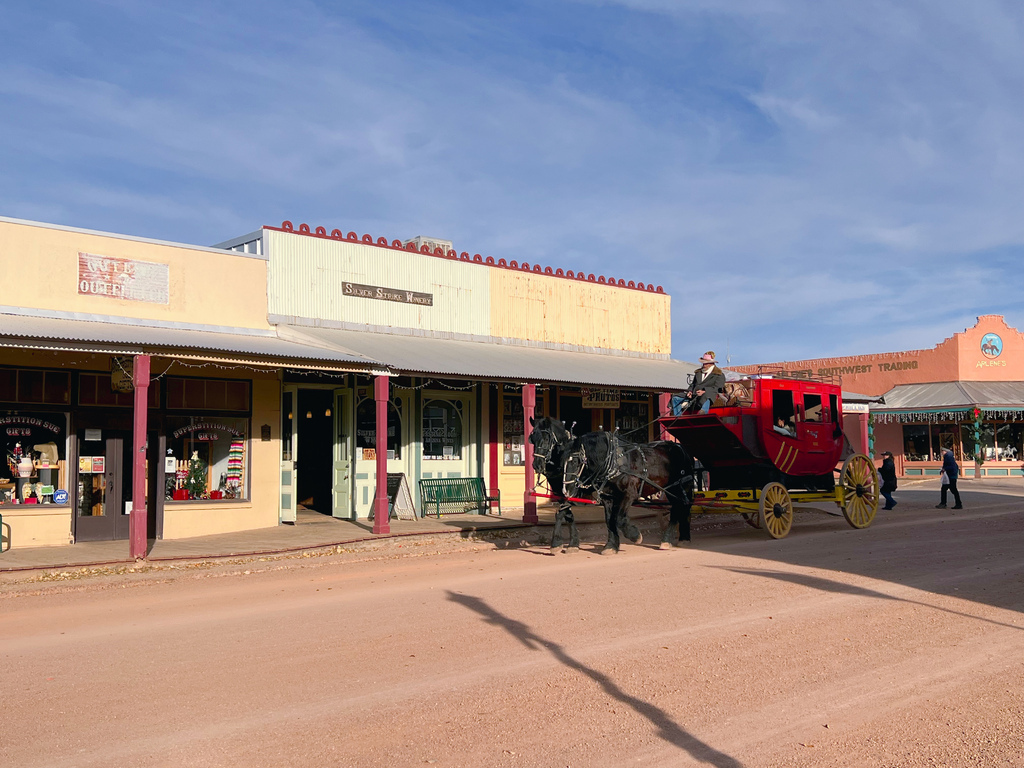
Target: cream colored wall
[
  {"x": 526, "y": 305},
  {"x": 185, "y": 520},
  {"x": 206, "y": 287},
  {"x": 35, "y": 525}
]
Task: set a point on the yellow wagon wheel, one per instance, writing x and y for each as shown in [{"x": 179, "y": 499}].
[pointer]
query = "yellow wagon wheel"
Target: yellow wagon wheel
[
  {"x": 859, "y": 479},
  {"x": 776, "y": 510}
]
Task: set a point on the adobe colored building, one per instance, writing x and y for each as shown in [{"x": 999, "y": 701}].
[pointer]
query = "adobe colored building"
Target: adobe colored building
[{"x": 966, "y": 393}]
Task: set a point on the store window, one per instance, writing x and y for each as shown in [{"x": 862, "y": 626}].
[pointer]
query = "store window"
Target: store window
[
  {"x": 1010, "y": 442},
  {"x": 916, "y": 442},
  {"x": 209, "y": 458},
  {"x": 442, "y": 430},
  {"x": 967, "y": 452},
  {"x": 943, "y": 436},
  {"x": 28, "y": 385},
  {"x": 366, "y": 429},
  {"x": 513, "y": 427},
  {"x": 632, "y": 420},
  {"x": 35, "y": 451},
  {"x": 207, "y": 394}
]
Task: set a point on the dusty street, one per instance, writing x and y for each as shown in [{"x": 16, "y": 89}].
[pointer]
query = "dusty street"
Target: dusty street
[{"x": 899, "y": 645}]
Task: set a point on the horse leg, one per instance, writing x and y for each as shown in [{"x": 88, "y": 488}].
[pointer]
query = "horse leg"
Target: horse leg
[
  {"x": 611, "y": 547},
  {"x": 628, "y": 527},
  {"x": 574, "y": 534},
  {"x": 678, "y": 530},
  {"x": 556, "y": 534}
]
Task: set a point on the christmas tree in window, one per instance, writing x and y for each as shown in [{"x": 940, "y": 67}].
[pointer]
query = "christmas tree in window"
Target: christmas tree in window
[{"x": 195, "y": 480}]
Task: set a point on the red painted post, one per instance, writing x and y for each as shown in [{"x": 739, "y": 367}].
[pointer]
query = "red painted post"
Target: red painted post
[
  {"x": 862, "y": 422},
  {"x": 664, "y": 404},
  {"x": 493, "y": 450},
  {"x": 137, "y": 533},
  {"x": 381, "y": 523},
  {"x": 529, "y": 501}
]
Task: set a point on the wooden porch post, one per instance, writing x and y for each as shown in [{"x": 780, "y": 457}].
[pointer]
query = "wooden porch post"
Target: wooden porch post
[
  {"x": 664, "y": 400},
  {"x": 137, "y": 533},
  {"x": 381, "y": 522},
  {"x": 529, "y": 501}
]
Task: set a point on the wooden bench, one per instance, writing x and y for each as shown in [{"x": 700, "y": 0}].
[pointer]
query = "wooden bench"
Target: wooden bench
[{"x": 457, "y": 495}]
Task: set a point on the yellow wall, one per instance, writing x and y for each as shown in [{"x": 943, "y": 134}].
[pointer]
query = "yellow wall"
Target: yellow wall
[
  {"x": 206, "y": 287},
  {"x": 35, "y": 525},
  {"x": 560, "y": 311}
]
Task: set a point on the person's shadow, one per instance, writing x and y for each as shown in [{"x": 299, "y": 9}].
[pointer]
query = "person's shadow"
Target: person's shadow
[{"x": 667, "y": 728}]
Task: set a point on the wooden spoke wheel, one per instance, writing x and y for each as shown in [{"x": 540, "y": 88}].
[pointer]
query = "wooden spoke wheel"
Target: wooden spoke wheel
[
  {"x": 859, "y": 479},
  {"x": 776, "y": 511}
]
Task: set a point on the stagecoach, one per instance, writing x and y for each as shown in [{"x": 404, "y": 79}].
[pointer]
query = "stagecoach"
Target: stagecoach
[{"x": 770, "y": 442}]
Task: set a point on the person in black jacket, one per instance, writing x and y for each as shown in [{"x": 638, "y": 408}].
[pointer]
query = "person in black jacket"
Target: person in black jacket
[
  {"x": 708, "y": 381},
  {"x": 950, "y": 472},
  {"x": 888, "y": 474}
]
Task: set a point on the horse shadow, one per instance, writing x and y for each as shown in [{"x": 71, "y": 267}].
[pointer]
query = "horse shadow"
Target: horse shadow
[{"x": 668, "y": 729}]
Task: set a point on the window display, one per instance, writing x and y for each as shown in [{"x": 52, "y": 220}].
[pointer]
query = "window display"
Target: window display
[
  {"x": 35, "y": 449},
  {"x": 208, "y": 455},
  {"x": 366, "y": 429},
  {"x": 916, "y": 442},
  {"x": 442, "y": 430}
]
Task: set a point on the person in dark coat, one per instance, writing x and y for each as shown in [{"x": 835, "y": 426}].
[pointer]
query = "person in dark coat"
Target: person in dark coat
[
  {"x": 888, "y": 474},
  {"x": 950, "y": 472},
  {"x": 708, "y": 381}
]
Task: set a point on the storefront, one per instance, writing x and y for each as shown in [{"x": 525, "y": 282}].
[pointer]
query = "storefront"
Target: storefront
[{"x": 965, "y": 394}]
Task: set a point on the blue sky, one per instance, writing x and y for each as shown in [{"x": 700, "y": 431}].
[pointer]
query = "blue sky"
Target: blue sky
[{"x": 807, "y": 179}]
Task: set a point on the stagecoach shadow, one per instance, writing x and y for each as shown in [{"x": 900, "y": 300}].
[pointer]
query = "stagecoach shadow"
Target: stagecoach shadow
[
  {"x": 668, "y": 729},
  {"x": 829, "y": 585}
]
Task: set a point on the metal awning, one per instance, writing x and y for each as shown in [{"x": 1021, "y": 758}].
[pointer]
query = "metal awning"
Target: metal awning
[
  {"x": 122, "y": 336},
  {"x": 952, "y": 397},
  {"x": 420, "y": 355}
]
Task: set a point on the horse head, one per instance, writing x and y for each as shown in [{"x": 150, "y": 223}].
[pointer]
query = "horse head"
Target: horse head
[{"x": 548, "y": 436}]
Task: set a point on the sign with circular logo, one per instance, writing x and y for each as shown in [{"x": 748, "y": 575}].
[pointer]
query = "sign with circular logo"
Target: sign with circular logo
[
  {"x": 60, "y": 496},
  {"x": 991, "y": 345}
]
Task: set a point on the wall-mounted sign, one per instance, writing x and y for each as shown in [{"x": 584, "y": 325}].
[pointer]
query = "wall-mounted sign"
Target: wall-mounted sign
[
  {"x": 265, "y": 433},
  {"x": 91, "y": 435},
  {"x": 387, "y": 294},
  {"x": 124, "y": 279},
  {"x": 600, "y": 398},
  {"x": 991, "y": 345},
  {"x": 122, "y": 374}
]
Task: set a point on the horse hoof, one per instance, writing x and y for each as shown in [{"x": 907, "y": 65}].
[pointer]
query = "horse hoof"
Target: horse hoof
[
  {"x": 556, "y": 548},
  {"x": 639, "y": 538},
  {"x": 609, "y": 551},
  {"x": 570, "y": 550},
  {"x": 665, "y": 545}
]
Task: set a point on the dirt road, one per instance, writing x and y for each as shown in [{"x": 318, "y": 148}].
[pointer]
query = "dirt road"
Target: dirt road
[{"x": 899, "y": 645}]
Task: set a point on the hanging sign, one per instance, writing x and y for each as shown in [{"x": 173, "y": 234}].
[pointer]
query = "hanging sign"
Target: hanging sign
[
  {"x": 387, "y": 294},
  {"x": 600, "y": 398}
]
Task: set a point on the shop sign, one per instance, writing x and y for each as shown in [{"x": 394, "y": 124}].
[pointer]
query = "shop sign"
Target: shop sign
[
  {"x": 387, "y": 294},
  {"x": 20, "y": 426},
  {"x": 204, "y": 430},
  {"x": 91, "y": 465},
  {"x": 122, "y": 374},
  {"x": 600, "y": 398},
  {"x": 991, "y": 345},
  {"x": 124, "y": 279}
]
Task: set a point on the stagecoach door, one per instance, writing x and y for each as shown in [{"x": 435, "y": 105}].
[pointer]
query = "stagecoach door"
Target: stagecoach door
[
  {"x": 344, "y": 443},
  {"x": 289, "y": 446}
]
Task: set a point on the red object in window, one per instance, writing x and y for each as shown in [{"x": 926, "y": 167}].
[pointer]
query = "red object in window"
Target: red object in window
[
  {"x": 180, "y": 494},
  {"x": 216, "y": 494}
]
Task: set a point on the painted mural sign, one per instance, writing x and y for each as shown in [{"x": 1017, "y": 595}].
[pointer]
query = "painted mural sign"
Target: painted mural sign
[
  {"x": 991, "y": 345},
  {"x": 853, "y": 370},
  {"x": 388, "y": 294},
  {"x": 124, "y": 279}
]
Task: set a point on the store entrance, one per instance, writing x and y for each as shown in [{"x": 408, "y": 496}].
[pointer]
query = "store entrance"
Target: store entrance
[
  {"x": 104, "y": 485},
  {"x": 315, "y": 463},
  {"x": 572, "y": 412}
]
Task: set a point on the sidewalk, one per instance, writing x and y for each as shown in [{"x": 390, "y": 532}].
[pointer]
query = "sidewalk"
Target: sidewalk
[{"x": 311, "y": 531}]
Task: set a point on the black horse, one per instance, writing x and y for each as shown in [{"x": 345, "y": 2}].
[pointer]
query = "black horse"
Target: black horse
[
  {"x": 550, "y": 440},
  {"x": 620, "y": 472}
]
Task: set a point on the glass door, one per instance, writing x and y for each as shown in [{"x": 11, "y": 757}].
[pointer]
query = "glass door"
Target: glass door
[
  {"x": 343, "y": 445},
  {"x": 289, "y": 447},
  {"x": 103, "y": 485}
]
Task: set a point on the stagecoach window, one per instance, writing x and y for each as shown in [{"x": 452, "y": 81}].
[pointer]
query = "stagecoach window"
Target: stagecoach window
[
  {"x": 782, "y": 411},
  {"x": 833, "y": 402},
  {"x": 442, "y": 430},
  {"x": 366, "y": 428},
  {"x": 812, "y": 408},
  {"x": 209, "y": 454}
]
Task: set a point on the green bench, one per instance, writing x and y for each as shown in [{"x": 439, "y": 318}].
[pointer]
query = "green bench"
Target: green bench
[{"x": 456, "y": 496}]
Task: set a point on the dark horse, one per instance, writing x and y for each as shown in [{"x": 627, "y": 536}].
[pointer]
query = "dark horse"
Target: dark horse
[
  {"x": 619, "y": 472},
  {"x": 550, "y": 440}
]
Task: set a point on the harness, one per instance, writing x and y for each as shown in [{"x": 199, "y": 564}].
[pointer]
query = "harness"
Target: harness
[{"x": 616, "y": 465}]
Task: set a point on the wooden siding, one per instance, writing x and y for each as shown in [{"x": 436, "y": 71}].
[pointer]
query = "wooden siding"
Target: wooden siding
[
  {"x": 560, "y": 311},
  {"x": 307, "y": 275}
]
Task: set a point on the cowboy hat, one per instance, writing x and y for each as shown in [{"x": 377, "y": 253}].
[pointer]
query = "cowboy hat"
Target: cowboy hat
[{"x": 708, "y": 357}]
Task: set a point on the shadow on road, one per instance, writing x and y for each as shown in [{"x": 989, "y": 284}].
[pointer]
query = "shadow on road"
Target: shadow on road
[
  {"x": 828, "y": 585},
  {"x": 667, "y": 729}
]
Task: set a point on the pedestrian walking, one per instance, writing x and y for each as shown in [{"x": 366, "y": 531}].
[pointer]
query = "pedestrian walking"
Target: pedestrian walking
[
  {"x": 888, "y": 474},
  {"x": 950, "y": 472}
]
